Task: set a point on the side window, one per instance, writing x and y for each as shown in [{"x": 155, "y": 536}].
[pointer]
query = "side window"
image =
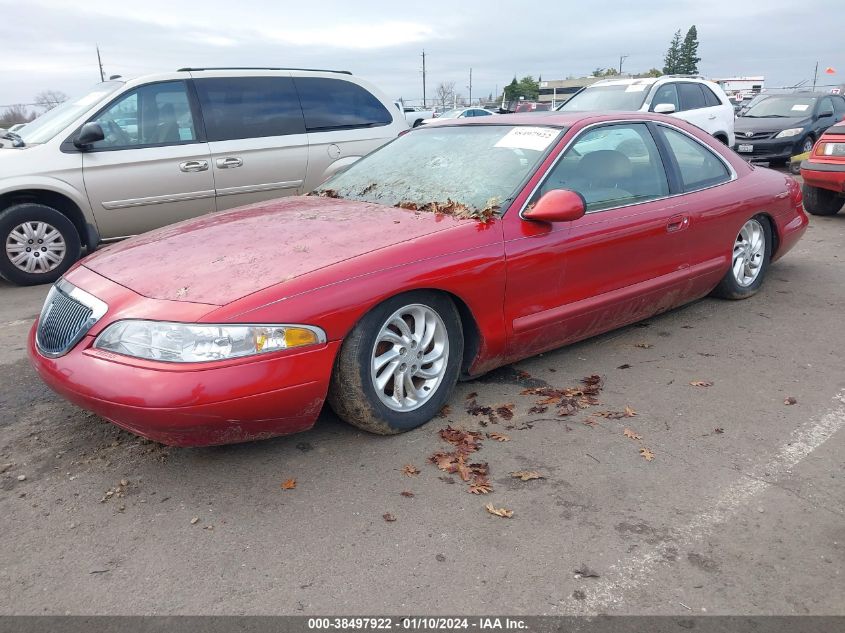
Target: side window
[
  {"x": 611, "y": 166},
  {"x": 337, "y": 104},
  {"x": 481, "y": 113},
  {"x": 667, "y": 93},
  {"x": 710, "y": 99},
  {"x": 155, "y": 114},
  {"x": 699, "y": 166},
  {"x": 825, "y": 105},
  {"x": 249, "y": 107},
  {"x": 691, "y": 96}
]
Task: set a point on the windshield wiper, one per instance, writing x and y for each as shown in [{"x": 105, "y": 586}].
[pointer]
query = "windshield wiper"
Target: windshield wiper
[{"x": 17, "y": 141}]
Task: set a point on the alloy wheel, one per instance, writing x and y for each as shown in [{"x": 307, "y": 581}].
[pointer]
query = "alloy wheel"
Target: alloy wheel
[{"x": 749, "y": 252}]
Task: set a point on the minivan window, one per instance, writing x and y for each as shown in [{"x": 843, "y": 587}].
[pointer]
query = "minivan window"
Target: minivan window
[
  {"x": 691, "y": 96},
  {"x": 151, "y": 115},
  {"x": 336, "y": 104},
  {"x": 698, "y": 165},
  {"x": 249, "y": 107}
]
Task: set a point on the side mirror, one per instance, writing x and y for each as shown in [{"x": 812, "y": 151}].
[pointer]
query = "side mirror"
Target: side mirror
[
  {"x": 557, "y": 205},
  {"x": 664, "y": 108},
  {"x": 825, "y": 113},
  {"x": 89, "y": 134}
]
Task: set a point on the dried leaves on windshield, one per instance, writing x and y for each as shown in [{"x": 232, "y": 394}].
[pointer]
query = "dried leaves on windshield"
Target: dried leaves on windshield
[
  {"x": 324, "y": 193},
  {"x": 455, "y": 209}
]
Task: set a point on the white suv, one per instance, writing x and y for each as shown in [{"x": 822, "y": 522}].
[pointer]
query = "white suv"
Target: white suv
[
  {"x": 136, "y": 155},
  {"x": 698, "y": 101}
]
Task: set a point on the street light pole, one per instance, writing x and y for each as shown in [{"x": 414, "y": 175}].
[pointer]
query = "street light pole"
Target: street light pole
[
  {"x": 423, "y": 73},
  {"x": 622, "y": 58}
]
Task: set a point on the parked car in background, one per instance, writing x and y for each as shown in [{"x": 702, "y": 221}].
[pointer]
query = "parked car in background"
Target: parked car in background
[
  {"x": 532, "y": 106},
  {"x": 780, "y": 126},
  {"x": 461, "y": 113},
  {"x": 695, "y": 100},
  {"x": 824, "y": 173},
  {"x": 459, "y": 247},
  {"x": 415, "y": 116},
  {"x": 132, "y": 156}
]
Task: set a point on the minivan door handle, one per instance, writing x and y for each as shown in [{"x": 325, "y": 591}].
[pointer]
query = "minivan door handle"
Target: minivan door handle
[
  {"x": 677, "y": 223},
  {"x": 194, "y": 165},
  {"x": 229, "y": 162}
]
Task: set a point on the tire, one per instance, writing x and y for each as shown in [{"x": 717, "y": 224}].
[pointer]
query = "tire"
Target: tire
[
  {"x": 21, "y": 228},
  {"x": 353, "y": 394},
  {"x": 818, "y": 201},
  {"x": 417, "y": 123},
  {"x": 748, "y": 263},
  {"x": 806, "y": 145}
]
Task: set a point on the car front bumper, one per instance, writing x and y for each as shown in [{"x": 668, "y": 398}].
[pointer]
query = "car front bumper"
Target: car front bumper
[
  {"x": 829, "y": 176},
  {"x": 193, "y": 405},
  {"x": 767, "y": 150}
]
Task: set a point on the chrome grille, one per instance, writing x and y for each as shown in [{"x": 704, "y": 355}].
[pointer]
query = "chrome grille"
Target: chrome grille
[{"x": 67, "y": 316}]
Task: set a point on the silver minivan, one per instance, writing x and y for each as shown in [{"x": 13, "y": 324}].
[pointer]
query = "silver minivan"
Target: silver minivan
[{"x": 131, "y": 156}]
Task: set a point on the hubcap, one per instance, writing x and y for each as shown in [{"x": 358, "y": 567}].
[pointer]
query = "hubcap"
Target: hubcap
[
  {"x": 35, "y": 247},
  {"x": 409, "y": 357},
  {"x": 749, "y": 251}
]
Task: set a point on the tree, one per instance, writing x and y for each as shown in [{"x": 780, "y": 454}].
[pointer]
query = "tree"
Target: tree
[
  {"x": 671, "y": 63},
  {"x": 512, "y": 91},
  {"x": 529, "y": 88},
  {"x": 444, "y": 94},
  {"x": 49, "y": 99},
  {"x": 15, "y": 114},
  {"x": 654, "y": 72},
  {"x": 688, "y": 57}
]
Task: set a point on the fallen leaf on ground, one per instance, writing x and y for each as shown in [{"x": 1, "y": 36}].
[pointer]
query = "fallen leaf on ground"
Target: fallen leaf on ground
[
  {"x": 499, "y": 437},
  {"x": 289, "y": 484},
  {"x": 647, "y": 454},
  {"x": 701, "y": 383},
  {"x": 195, "y": 520},
  {"x": 409, "y": 470},
  {"x": 586, "y": 572},
  {"x": 790, "y": 400},
  {"x": 388, "y": 517},
  {"x": 629, "y": 412},
  {"x": 630, "y": 433},
  {"x": 718, "y": 429},
  {"x": 447, "y": 479},
  {"x": 480, "y": 486},
  {"x": 524, "y": 375},
  {"x": 499, "y": 512},
  {"x": 643, "y": 345},
  {"x": 505, "y": 411},
  {"x": 538, "y": 409},
  {"x": 407, "y": 493},
  {"x": 446, "y": 410},
  {"x": 526, "y": 475},
  {"x": 472, "y": 396},
  {"x": 590, "y": 422}
]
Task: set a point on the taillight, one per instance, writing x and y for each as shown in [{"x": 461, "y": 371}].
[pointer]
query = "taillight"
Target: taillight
[{"x": 827, "y": 148}]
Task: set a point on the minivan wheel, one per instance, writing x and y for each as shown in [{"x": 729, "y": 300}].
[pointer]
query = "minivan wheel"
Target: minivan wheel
[
  {"x": 750, "y": 257},
  {"x": 398, "y": 366},
  {"x": 39, "y": 244},
  {"x": 820, "y": 201}
]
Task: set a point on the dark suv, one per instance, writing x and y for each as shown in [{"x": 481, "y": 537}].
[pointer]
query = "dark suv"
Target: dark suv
[{"x": 782, "y": 126}]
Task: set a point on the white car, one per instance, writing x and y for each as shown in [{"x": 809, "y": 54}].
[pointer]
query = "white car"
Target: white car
[
  {"x": 698, "y": 101},
  {"x": 461, "y": 113}
]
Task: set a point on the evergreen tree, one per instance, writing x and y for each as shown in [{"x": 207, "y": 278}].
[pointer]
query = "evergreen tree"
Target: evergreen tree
[
  {"x": 688, "y": 58},
  {"x": 512, "y": 90},
  {"x": 671, "y": 62}
]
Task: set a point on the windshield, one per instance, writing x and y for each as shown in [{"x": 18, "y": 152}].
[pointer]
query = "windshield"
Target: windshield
[
  {"x": 478, "y": 167},
  {"x": 774, "y": 106},
  {"x": 627, "y": 97},
  {"x": 54, "y": 121}
]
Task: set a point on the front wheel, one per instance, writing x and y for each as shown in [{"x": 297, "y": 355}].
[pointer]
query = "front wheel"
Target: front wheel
[
  {"x": 749, "y": 260},
  {"x": 39, "y": 244},
  {"x": 807, "y": 145},
  {"x": 820, "y": 201},
  {"x": 399, "y": 365}
]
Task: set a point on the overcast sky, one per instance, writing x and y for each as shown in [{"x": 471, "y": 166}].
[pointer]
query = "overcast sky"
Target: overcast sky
[{"x": 49, "y": 44}]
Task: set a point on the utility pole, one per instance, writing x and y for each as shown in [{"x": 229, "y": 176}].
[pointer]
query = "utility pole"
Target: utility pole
[
  {"x": 100, "y": 64},
  {"x": 470, "y": 86},
  {"x": 815, "y": 76},
  {"x": 423, "y": 73},
  {"x": 622, "y": 58}
]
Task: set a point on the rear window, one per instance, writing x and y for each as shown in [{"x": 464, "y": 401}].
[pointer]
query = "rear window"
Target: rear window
[
  {"x": 330, "y": 104},
  {"x": 710, "y": 99},
  {"x": 249, "y": 107}
]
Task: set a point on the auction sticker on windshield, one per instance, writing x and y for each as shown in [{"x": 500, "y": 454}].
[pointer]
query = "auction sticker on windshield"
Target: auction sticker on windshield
[{"x": 536, "y": 138}]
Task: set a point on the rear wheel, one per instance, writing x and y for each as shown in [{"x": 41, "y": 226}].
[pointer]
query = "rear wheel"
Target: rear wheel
[
  {"x": 749, "y": 260},
  {"x": 39, "y": 244},
  {"x": 820, "y": 201},
  {"x": 398, "y": 366}
]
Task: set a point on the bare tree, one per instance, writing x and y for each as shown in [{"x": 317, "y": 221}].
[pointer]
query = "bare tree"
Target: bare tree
[
  {"x": 49, "y": 99},
  {"x": 444, "y": 94},
  {"x": 15, "y": 114}
]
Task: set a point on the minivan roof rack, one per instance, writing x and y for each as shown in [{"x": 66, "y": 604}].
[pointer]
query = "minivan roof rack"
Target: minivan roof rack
[
  {"x": 686, "y": 76},
  {"x": 312, "y": 70}
]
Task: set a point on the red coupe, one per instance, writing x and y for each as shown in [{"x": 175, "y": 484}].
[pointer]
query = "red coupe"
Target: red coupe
[
  {"x": 824, "y": 173},
  {"x": 457, "y": 248}
]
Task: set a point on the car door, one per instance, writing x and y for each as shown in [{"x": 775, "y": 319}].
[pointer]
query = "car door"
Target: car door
[
  {"x": 344, "y": 122},
  {"x": 625, "y": 259},
  {"x": 256, "y": 133},
  {"x": 153, "y": 166},
  {"x": 694, "y": 106}
]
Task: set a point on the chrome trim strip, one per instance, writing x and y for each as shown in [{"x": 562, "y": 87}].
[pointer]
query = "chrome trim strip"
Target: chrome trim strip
[
  {"x": 171, "y": 197},
  {"x": 270, "y": 186},
  {"x": 98, "y": 309},
  {"x": 731, "y": 170}
]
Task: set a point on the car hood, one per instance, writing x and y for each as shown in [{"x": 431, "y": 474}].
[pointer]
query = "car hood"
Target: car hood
[
  {"x": 762, "y": 124},
  {"x": 221, "y": 257}
]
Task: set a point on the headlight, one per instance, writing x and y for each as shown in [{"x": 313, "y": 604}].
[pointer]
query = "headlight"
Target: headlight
[
  {"x": 198, "y": 343},
  {"x": 793, "y": 131}
]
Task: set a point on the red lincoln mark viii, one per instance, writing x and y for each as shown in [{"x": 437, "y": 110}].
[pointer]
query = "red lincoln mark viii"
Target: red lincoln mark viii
[
  {"x": 824, "y": 173},
  {"x": 457, "y": 248}
]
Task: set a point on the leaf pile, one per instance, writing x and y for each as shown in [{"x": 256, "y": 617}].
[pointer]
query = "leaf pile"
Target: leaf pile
[
  {"x": 569, "y": 400},
  {"x": 457, "y": 461}
]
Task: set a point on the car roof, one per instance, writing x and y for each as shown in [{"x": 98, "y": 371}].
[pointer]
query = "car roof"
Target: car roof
[{"x": 552, "y": 118}]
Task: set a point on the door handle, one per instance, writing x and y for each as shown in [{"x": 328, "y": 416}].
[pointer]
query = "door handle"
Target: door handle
[
  {"x": 711, "y": 117},
  {"x": 194, "y": 165},
  {"x": 677, "y": 223},
  {"x": 229, "y": 163}
]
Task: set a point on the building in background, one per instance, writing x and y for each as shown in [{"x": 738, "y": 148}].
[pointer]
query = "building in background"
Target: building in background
[
  {"x": 559, "y": 90},
  {"x": 741, "y": 88}
]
